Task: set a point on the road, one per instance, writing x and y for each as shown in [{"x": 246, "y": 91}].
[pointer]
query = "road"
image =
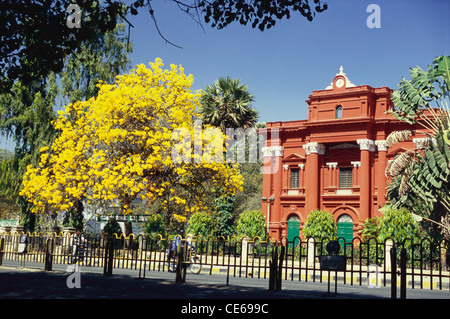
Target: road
[{"x": 32, "y": 282}]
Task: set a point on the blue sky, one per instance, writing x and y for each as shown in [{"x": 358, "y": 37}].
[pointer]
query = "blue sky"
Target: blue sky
[{"x": 283, "y": 65}]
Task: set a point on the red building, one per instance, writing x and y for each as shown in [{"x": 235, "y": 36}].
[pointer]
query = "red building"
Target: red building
[{"x": 335, "y": 160}]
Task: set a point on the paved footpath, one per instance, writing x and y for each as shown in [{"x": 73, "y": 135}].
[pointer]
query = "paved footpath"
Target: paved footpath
[{"x": 198, "y": 291}]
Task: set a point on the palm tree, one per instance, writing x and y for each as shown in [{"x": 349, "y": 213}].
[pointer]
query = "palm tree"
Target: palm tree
[{"x": 227, "y": 104}]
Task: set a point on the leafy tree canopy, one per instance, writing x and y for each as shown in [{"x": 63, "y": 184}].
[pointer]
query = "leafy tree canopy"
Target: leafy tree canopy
[
  {"x": 35, "y": 37},
  {"x": 122, "y": 144}
]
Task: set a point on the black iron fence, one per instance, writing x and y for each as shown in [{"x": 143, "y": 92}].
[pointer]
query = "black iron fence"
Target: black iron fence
[{"x": 416, "y": 264}]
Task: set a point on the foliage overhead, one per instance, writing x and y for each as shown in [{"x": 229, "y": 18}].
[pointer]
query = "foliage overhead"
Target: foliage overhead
[{"x": 35, "y": 38}]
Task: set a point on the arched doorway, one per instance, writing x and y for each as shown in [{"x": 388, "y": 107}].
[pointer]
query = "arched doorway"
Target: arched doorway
[
  {"x": 293, "y": 230},
  {"x": 345, "y": 228}
]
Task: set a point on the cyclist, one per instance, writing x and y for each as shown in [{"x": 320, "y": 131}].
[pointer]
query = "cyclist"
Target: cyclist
[
  {"x": 78, "y": 248},
  {"x": 173, "y": 250}
]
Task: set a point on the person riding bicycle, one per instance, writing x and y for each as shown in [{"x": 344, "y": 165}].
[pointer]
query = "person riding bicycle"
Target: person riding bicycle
[
  {"x": 173, "y": 249},
  {"x": 172, "y": 254},
  {"x": 77, "y": 246}
]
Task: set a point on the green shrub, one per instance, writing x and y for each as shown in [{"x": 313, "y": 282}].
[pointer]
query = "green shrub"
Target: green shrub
[
  {"x": 398, "y": 225},
  {"x": 320, "y": 224},
  {"x": 252, "y": 224},
  {"x": 200, "y": 224},
  {"x": 112, "y": 227},
  {"x": 155, "y": 226},
  {"x": 371, "y": 228}
]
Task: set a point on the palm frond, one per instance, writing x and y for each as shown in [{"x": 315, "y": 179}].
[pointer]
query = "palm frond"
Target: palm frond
[
  {"x": 399, "y": 163},
  {"x": 398, "y": 136}
]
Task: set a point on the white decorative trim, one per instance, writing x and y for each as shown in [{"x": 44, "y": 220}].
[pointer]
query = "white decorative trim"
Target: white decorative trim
[
  {"x": 356, "y": 164},
  {"x": 381, "y": 145},
  {"x": 348, "y": 83},
  {"x": 301, "y": 166},
  {"x": 366, "y": 144},
  {"x": 285, "y": 166},
  {"x": 344, "y": 191},
  {"x": 278, "y": 150},
  {"x": 332, "y": 164},
  {"x": 269, "y": 151},
  {"x": 314, "y": 147}
]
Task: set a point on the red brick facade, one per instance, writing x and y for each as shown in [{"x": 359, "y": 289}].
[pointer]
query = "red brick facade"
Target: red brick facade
[{"x": 335, "y": 160}]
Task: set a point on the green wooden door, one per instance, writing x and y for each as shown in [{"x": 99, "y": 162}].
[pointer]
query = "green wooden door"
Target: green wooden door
[
  {"x": 293, "y": 229},
  {"x": 345, "y": 229}
]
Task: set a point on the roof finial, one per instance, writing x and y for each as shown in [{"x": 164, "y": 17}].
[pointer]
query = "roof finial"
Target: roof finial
[{"x": 347, "y": 81}]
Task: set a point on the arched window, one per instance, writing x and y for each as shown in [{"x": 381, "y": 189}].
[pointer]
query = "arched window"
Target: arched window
[{"x": 339, "y": 112}]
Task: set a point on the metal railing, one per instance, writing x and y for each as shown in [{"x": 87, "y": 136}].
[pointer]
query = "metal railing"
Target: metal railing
[{"x": 425, "y": 264}]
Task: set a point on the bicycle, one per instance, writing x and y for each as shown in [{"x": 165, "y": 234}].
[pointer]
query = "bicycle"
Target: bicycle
[
  {"x": 194, "y": 264},
  {"x": 80, "y": 253}
]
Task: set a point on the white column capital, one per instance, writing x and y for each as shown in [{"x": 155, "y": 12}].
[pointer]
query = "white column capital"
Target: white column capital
[
  {"x": 366, "y": 144},
  {"x": 356, "y": 163},
  {"x": 269, "y": 151},
  {"x": 278, "y": 150},
  {"x": 381, "y": 145},
  {"x": 314, "y": 147},
  {"x": 331, "y": 164},
  {"x": 301, "y": 166}
]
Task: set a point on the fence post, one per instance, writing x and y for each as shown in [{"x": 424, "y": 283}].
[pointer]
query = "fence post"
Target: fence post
[
  {"x": 403, "y": 274},
  {"x": 109, "y": 255},
  {"x": 244, "y": 250},
  {"x": 142, "y": 251},
  {"x": 273, "y": 269},
  {"x": 181, "y": 267},
  {"x": 280, "y": 270},
  {"x": 2, "y": 245},
  {"x": 311, "y": 253},
  {"x": 48, "y": 262},
  {"x": 393, "y": 272},
  {"x": 387, "y": 248}
]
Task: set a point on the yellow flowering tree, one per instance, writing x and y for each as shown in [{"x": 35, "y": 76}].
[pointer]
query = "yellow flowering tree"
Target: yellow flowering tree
[{"x": 136, "y": 138}]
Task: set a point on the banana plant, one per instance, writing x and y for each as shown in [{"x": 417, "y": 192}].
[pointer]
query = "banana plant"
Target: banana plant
[{"x": 421, "y": 177}]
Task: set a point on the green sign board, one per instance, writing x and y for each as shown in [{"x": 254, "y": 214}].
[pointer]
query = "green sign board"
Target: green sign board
[{"x": 123, "y": 218}]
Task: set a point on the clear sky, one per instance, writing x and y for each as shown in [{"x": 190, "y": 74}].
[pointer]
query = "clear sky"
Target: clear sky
[{"x": 283, "y": 65}]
